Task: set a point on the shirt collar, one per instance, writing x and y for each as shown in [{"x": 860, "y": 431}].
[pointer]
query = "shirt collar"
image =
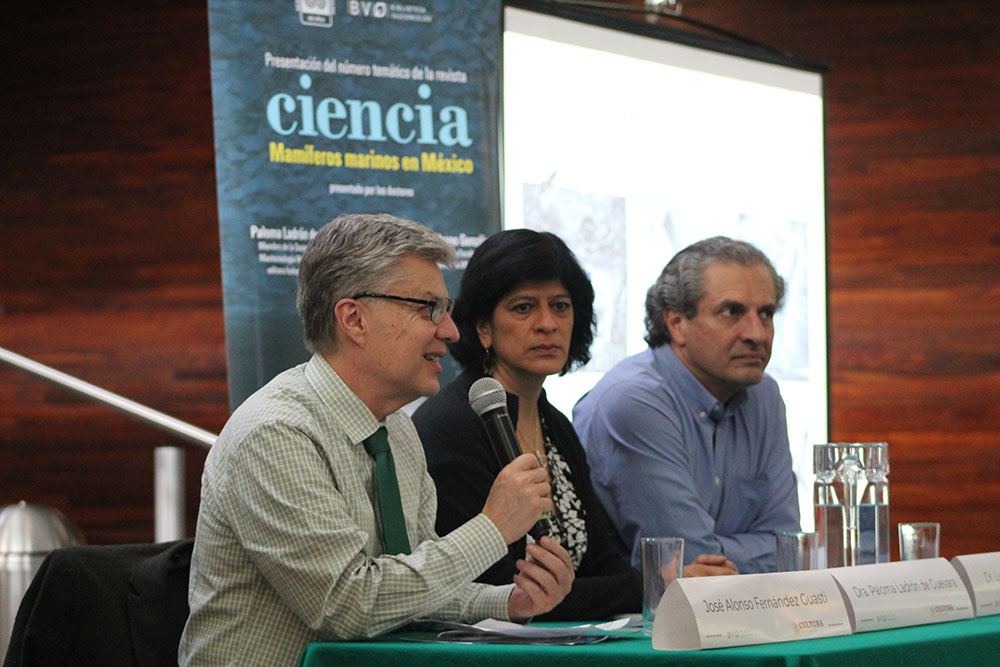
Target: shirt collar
[
  {"x": 346, "y": 408},
  {"x": 676, "y": 374}
]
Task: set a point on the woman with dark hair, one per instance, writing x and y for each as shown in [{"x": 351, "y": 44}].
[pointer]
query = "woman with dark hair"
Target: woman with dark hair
[{"x": 525, "y": 311}]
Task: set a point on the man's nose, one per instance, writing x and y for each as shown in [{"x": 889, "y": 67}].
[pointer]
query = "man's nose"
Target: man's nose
[
  {"x": 446, "y": 330},
  {"x": 754, "y": 328}
]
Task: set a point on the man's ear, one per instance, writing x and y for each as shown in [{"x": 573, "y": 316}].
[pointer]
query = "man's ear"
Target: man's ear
[
  {"x": 485, "y": 331},
  {"x": 676, "y": 325},
  {"x": 352, "y": 321}
]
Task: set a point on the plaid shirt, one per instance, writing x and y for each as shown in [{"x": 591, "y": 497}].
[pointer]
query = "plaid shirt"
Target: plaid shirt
[{"x": 288, "y": 550}]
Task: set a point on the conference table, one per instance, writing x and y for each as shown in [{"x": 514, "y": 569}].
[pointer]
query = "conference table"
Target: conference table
[{"x": 970, "y": 642}]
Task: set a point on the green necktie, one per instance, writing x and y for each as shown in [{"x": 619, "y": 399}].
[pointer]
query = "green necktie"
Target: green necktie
[{"x": 389, "y": 504}]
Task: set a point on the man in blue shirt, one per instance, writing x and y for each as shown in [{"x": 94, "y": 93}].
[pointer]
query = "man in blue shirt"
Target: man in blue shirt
[{"x": 688, "y": 438}]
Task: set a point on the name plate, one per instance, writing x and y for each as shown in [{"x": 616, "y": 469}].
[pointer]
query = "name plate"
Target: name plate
[
  {"x": 895, "y": 595},
  {"x": 712, "y": 612},
  {"x": 981, "y": 575}
]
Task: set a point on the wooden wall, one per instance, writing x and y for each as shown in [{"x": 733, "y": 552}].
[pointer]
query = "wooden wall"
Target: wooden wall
[
  {"x": 109, "y": 261},
  {"x": 109, "y": 264}
]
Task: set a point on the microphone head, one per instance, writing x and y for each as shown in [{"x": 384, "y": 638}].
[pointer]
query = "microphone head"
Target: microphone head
[{"x": 487, "y": 394}]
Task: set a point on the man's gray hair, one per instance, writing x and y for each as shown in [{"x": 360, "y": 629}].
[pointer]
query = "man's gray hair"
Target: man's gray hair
[
  {"x": 357, "y": 253},
  {"x": 682, "y": 283}
]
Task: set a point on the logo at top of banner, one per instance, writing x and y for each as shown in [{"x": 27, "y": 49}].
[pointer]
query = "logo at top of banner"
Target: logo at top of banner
[
  {"x": 377, "y": 10},
  {"x": 320, "y": 13},
  {"x": 317, "y": 13}
]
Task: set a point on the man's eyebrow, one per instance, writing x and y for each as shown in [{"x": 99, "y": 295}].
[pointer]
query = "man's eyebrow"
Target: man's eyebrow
[{"x": 739, "y": 305}]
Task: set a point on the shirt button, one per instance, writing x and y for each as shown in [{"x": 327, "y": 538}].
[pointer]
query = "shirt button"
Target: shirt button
[
  {"x": 702, "y": 414},
  {"x": 718, "y": 481}
]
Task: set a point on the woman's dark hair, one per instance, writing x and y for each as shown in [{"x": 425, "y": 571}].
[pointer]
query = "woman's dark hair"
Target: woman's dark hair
[{"x": 501, "y": 263}]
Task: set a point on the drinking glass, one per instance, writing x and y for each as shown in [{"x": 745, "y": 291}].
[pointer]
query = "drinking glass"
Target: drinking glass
[
  {"x": 662, "y": 562},
  {"x": 828, "y": 506},
  {"x": 825, "y": 462},
  {"x": 873, "y": 505},
  {"x": 876, "y": 460},
  {"x": 919, "y": 540},
  {"x": 798, "y": 550}
]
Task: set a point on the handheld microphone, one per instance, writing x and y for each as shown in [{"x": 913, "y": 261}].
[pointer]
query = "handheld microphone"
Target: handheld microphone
[{"x": 489, "y": 400}]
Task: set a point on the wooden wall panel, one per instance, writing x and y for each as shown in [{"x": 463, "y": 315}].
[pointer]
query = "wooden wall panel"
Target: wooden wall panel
[
  {"x": 109, "y": 269},
  {"x": 109, "y": 264}
]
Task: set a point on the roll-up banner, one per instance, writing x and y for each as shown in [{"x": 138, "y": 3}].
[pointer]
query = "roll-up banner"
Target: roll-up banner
[{"x": 324, "y": 107}]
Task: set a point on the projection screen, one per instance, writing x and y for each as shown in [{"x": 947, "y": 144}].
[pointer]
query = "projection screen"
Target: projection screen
[{"x": 631, "y": 146}]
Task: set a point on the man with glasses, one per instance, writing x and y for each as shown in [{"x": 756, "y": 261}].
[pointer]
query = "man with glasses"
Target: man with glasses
[{"x": 317, "y": 512}]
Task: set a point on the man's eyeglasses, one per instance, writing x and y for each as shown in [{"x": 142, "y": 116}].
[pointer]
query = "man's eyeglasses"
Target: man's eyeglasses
[{"x": 438, "y": 307}]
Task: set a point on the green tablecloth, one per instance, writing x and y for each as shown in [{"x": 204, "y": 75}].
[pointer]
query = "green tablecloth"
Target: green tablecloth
[{"x": 972, "y": 642}]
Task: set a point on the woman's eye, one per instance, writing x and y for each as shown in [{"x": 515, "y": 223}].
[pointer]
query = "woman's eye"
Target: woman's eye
[
  {"x": 562, "y": 306},
  {"x": 521, "y": 308}
]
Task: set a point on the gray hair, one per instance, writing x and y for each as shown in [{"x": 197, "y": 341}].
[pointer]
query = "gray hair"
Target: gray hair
[
  {"x": 357, "y": 253},
  {"x": 682, "y": 282}
]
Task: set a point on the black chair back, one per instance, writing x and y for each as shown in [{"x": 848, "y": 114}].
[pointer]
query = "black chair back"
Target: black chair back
[{"x": 104, "y": 605}]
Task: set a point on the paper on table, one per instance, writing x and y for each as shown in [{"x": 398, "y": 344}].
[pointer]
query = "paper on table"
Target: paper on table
[
  {"x": 518, "y": 630},
  {"x": 508, "y": 629}
]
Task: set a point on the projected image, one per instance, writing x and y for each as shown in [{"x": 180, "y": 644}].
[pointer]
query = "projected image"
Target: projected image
[
  {"x": 630, "y": 148},
  {"x": 593, "y": 226}
]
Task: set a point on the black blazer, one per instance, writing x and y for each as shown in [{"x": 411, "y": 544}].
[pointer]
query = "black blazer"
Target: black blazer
[{"x": 463, "y": 465}]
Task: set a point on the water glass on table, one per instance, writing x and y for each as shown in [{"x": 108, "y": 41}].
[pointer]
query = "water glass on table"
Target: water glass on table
[
  {"x": 919, "y": 540},
  {"x": 798, "y": 550},
  {"x": 662, "y": 562}
]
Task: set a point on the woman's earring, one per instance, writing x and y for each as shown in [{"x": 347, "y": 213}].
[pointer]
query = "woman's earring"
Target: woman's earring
[{"x": 489, "y": 357}]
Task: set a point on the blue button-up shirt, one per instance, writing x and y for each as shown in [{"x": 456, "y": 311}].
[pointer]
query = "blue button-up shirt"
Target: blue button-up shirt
[{"x": 668, "y": 459}]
